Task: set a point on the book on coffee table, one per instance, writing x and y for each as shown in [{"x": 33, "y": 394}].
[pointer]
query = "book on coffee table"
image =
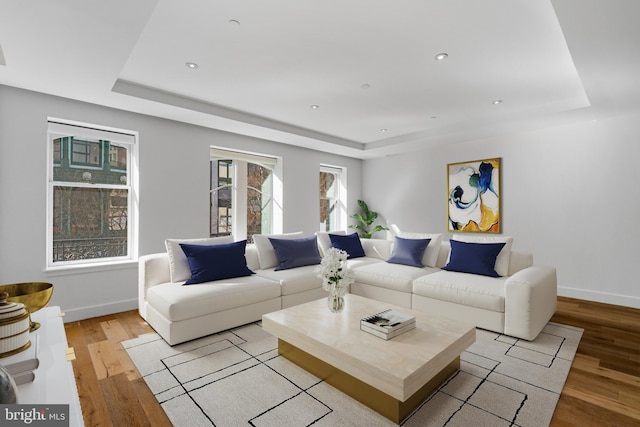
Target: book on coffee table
[
  {"x": 387, "y": 321},
  {"x": 388, "y": 335}
]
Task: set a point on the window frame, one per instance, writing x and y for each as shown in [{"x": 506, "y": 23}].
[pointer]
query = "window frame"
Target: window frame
[
  {"x": 59, "y": 128},
  {"x": 341, "y": 199},
  {"x": 240, "y": 188}
]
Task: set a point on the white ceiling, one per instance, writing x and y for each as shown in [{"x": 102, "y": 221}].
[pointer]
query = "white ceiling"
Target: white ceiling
[{"x": 368, "y": 64}]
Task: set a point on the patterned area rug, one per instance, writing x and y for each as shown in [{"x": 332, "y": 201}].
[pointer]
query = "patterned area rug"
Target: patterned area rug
[{"x": 237, "y": 378}]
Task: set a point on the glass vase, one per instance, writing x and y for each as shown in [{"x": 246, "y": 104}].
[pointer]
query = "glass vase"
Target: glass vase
[{"x": 335, "y": 301}]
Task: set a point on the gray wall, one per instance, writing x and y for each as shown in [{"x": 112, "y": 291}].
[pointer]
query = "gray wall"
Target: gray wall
[
  {"x": 174, "y": 184},
  {"x": 569, "y": 195}
]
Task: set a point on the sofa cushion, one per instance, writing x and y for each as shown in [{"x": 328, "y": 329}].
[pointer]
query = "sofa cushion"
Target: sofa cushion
[
  {"x": 293, "y": 280},
  {"x": 216, "y": 262},
  {"x": 390, "y": 276},
  {"x": 474, "y": 258},
  {"x": 178, "y": 265},
  {"x": 324, "y": 242},
  {"x": 462, "y": 288},
  {"x": 177, "y": 302},
  {"x": 355, "y": 263},
  {"x": 408, "y": 251},
  {"x": 430, "y": 256},
  {"x": 377, "y": 248},
  {"x": 266, "y": 254},
  {"x": 503, "y": 259},
  {"x": 294, "y": 253},
  {"x": 349, "y": 243}
]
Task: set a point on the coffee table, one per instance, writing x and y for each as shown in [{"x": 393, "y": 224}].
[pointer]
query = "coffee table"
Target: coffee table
[{"x": 392, "y": 377}]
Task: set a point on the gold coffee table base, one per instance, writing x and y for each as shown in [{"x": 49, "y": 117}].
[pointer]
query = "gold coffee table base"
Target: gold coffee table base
[{"x": 380, "y": 402}]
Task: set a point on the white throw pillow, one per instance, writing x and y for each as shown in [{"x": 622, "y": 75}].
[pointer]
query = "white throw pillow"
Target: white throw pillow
[
  {"x": 430, "y": 257},
  {"x": 504, "y": 257},
  {"x": 178, "y": 265},
  {"x": 266, "y": 254},
  {"x": 324, "y": 241}
]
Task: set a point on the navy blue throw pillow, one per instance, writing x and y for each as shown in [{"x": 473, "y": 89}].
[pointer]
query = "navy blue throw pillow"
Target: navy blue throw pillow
[
  {"x": 408, "y": 251},
  {"x": 215, "y": 262},
  {"x": 474, "y": 258},
  {"x": 349, "y": 243},
  {"x": 294, "y": 253}
]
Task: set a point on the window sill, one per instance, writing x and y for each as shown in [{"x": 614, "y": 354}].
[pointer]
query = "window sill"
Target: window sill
[{"x": 90, "y": 268}]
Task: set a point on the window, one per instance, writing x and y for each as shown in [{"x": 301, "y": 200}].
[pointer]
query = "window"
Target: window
[
  {"x": 118, "y": 157},
  {"x": 244, "y": 199},
  {"x": 332, "y": 199},
  {"x": 89, "y": 195},
  {"x": 86, "y": 152}
]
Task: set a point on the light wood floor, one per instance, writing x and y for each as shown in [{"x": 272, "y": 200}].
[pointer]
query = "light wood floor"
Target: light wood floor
[{"x": 602, "y": 389}]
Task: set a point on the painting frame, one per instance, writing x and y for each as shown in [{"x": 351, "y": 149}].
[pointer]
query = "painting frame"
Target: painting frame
[{"x": 474, "y": 196}]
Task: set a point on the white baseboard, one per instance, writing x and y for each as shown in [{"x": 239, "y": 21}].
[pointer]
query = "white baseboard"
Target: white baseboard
[
  {"x": 74, "y": 314},
  {"x": 606, "y": 298}
]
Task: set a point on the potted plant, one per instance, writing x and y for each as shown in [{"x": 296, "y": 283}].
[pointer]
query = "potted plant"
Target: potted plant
[{"x": 366, "y": 219}]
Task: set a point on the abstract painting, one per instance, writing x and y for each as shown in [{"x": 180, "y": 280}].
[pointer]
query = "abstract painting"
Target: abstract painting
[{"x": 473, "y": 189}]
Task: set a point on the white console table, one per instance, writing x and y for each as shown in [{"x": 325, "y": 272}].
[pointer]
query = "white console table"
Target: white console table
[{"x": 54, "y": 382}]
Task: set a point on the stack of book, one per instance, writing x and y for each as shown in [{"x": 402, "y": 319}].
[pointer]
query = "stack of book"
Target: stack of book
[
  {"x": 388, "y": 324},
  {"x": 22, "y": 366}
]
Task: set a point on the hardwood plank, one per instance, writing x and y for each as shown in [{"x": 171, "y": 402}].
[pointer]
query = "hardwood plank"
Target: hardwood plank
[
  {"x": 592, "y": 365},
  {"x": 92, "y": 330},
  {"x": 573, "y": 411},
  {"x": 124, "y": 407},
  {"x": 156, "y": 416},
  {"x": 105, "y": 359},
  {"x": 92, "y": 403},
  {"x": 604, "y": 403},
  {"x": 135, "y": 324},
  {"x": 116, "y": 333}
]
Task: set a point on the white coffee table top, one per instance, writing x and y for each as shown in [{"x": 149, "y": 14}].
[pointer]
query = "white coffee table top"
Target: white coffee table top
[{"x": 398, "y": 367}]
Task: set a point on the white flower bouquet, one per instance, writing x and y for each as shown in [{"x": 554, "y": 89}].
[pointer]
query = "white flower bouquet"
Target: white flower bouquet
[{"x": 335, "y": 275}]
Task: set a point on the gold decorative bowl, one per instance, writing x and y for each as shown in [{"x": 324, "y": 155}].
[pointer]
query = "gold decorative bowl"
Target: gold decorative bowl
[{"x": 34, "y": 296}]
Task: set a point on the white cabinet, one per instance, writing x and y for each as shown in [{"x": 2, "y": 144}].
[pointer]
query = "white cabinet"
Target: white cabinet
[{"x": 54, "y": 382}]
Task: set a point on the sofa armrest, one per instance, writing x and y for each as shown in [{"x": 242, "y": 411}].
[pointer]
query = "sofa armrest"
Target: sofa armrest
[
  {"x": 531, "y": 296},
  {"x": 153, "y": 270}
]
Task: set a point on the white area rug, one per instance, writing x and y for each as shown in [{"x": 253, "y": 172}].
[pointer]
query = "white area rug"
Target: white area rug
[{"x": 236, "y": 378}]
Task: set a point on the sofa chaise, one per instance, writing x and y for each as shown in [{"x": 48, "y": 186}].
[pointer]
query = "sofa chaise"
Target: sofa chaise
[{"x": 518, "y": 302}]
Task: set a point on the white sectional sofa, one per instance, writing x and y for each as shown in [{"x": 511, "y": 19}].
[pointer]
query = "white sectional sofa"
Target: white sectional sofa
[{"x": 519, "y": 303}]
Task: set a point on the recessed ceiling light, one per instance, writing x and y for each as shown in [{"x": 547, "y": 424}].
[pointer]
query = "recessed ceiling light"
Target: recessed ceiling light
[
  {"x": 191, "y": 65},
  {"x": 441, "y": 56},
  {"x": 315, "y": 106},
  {"x": 384, "y": 130},
  {"x": 234, "y": 22},
  {"x": 365, "y": 86},
  {"x": 497, "y": 101}
]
